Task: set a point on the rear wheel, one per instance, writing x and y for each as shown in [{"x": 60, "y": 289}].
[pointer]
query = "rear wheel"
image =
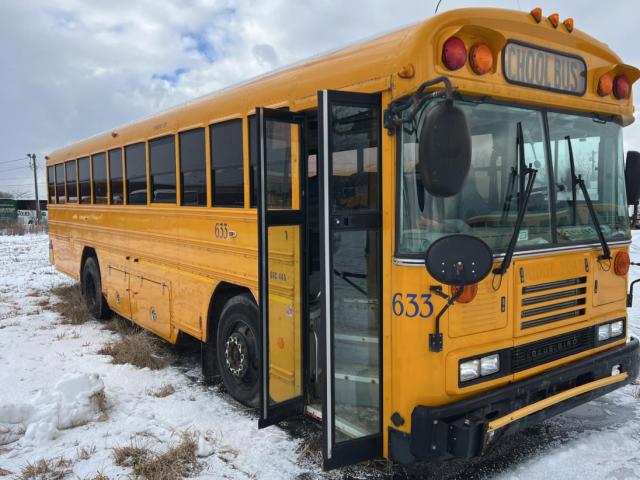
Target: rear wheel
[
  {"x": 237, "y": 349},
  {"x": 92, "y": 290}
]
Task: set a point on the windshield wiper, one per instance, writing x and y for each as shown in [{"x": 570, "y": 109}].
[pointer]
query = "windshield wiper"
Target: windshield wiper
[
  {"x": 523, "y": 201},
  {"x": 577, "y": 180}
]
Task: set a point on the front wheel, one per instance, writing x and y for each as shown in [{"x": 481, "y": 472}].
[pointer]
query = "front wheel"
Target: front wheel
[
  {"x": 92, "y": 290},
  {"x": 237, "y": 349}
]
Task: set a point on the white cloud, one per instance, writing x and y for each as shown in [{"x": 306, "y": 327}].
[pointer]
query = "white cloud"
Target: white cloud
[{"x": 72, "y": 68}]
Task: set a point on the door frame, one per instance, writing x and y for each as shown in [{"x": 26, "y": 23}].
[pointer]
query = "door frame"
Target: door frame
[
  {"x": 270, "y": 415},
  {"x": 371, "y": 446}
]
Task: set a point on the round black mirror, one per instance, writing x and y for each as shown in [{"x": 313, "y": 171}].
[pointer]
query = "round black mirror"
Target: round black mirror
[
  {"x": 459, "y": 260},
  {"x": 444, "y": 150},
  {"x": 632, "y": 177}
]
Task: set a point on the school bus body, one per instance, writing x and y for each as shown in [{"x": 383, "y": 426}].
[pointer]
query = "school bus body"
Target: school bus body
[{"x": 169, "y": 260}]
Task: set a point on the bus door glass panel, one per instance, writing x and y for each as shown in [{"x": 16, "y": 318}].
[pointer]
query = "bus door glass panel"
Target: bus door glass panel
[
  {"x": 350, "y": 226},
  {"x": 281, "y": 235}
]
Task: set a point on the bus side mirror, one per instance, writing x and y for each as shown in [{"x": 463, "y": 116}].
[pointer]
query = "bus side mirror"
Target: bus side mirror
[
  {"x": 444, "y": 150},
  {"x": 632, "y": 177}
]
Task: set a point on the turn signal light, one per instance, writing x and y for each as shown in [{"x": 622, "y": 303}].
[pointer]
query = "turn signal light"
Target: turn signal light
[
  {"x": 468, "y": 294},
  {"x": 568, "y": 24},
  {"x": 481, "y": 58},
  {"x": 554, "y": 19},
  {"x": 454, "y": 53},
  {"x": 605, "y": 85},
  {"x": 536, "y": 13},
  {"x": 621, "y": 263},
  {"x": 621, "y": 87}
]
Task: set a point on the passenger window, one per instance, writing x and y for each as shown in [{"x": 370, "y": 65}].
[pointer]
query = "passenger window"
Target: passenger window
[
  {"x": 83, "y": 180},
  {"x": 136, "y": 174},
  {"x": 253, "y": 162},
  {"x": 115, "y": 177},
  {"x": 162, "y": 164},
  {"x": 226, "y": 164},
  {"x": 72, "y": 186},
  {"x": 193, "y": 168},
  {"x": 99, "y": 169},
  {"x": 60, "y": 193},
  {"x": 51, "y": 184}
]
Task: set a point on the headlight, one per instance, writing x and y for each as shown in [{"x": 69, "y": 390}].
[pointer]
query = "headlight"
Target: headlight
[
  {"x": 479, "y": 367},
  {"x": 604, "y": 332},
  {"x": 469, "y": 370},
  {"x": 489, "y": 364},
  {"x": 617, "y": 328}
]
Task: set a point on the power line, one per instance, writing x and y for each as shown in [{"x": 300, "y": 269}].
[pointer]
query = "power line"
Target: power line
[
  {"x": 14, "y": 160},
  {"x": 13, "y": 169}
]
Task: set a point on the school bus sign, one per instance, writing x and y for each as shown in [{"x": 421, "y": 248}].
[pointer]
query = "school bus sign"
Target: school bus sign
[{"x": 536, "y": 67}]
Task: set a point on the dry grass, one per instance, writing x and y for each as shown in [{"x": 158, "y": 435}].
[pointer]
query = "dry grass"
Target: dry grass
[
  {"x": 140, "y": 349},
  {"x": 121, "y": 326},
  {"x": 163, "y": 391},
  {"x": 4, "y": 472},
  {"x": 85, "y": 453},
  {"x": 71, "y": 305},
  {"x": 99, "y": 399},
  {"x": 174, "y": 463},
  {"x": 51, "y": 469}
]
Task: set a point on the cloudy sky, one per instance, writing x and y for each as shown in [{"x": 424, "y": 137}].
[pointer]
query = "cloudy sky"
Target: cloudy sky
[{"x": 73, "y": 68}]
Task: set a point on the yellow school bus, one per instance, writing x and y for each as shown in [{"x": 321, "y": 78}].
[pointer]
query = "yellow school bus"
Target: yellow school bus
[{"x": 420, "y": 240}]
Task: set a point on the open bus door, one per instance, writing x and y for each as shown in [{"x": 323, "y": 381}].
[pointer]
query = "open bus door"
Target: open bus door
[
  {"x": 282, "y": 296},
  {"x": 349, "y": 131}
]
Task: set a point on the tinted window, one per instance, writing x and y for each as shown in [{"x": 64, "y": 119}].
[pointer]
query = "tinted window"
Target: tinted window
[
  {"x": 99, "y": 168},
  {"x": 72, "y": 186},
  {"x": 226, "y": 164},
  {"x": 51, "y": 184},
  {"x": 136, "y": 173},
  {"x": 115, "y": 176},
  {"x": 193, "y": 168},
  {"x": 60, "y": 194},
  {"x": 162, "y": 164},
  {"x": 83, "y": 180},
  {"x": 253, "y": 162}
]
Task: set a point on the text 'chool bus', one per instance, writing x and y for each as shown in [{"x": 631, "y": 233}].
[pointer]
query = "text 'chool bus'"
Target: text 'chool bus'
[{"x": 286, "y": 223}]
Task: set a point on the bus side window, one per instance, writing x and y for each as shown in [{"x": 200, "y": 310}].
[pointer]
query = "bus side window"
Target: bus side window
[
  {"x": 193, "y": 168},
  {"x": 51, "y": 184},
  {"x": 99, "y": 173},
  {"x": 60, "y": 192},
  {"x": 227, "y": 179},
  {"x": 162, "y": 167},
  {"x": 84, "y": 193},
  {"x": 115, "y": 177},
  {"x": 72, "y": 185},
  {"x": 253, "y": 162},
  {"x": 136, "y": 173}
]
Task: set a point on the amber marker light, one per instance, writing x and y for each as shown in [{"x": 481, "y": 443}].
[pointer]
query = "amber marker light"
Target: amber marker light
[
  {"x": 114, "y": 134},
  {"x": 621, "y": 87},
  {"x": 621, "y": 263},
  {"x": 407, "y": 71},
  {"x": 536, "y": 13},
  {"x": 605, "y": 85},
  {"x": 454, "y": 53},
  {"x": 554, "y": 19},
  {"x": 468, "y": 294},
  {"x": 568, "y": 24},
  {"x": 481, "y": 58}
]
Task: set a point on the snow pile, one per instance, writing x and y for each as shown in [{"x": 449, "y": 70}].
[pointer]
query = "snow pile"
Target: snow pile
[{"x": 72, "y": 402}]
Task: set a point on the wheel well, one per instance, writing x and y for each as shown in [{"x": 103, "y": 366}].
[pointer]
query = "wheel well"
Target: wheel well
[
  {"x": 86, "y": 253},
  {"x": 223, "y": 292}
]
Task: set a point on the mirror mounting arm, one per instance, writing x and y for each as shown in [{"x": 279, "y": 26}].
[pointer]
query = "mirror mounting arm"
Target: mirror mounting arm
[
  {"x": 392, "y": 115},
  {"x": 435, "y": 339}
]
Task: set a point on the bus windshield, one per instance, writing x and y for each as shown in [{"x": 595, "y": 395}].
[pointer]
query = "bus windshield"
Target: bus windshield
[{"x": 488, "y": 204}]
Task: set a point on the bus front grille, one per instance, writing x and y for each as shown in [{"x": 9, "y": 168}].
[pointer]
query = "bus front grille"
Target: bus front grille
[{"x": 552, "y": 302}]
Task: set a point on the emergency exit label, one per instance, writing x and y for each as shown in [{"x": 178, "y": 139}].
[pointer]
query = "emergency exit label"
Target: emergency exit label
[{"x": 537, "y": 67}]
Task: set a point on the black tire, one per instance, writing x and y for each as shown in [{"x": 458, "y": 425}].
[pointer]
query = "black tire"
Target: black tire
[
  {"x": 92, "y": 290},
  {"x": 237, "y": 345}
]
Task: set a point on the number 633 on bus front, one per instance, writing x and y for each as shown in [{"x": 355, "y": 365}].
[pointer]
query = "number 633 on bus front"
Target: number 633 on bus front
[{"x": 412, "y": 305}]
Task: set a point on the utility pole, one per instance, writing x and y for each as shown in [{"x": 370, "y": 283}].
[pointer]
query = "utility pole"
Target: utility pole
[{"x": 32, "y": 156}]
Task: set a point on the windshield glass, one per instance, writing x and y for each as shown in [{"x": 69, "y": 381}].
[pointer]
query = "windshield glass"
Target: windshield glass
[
  {"x": 598, "y": 158},
  {"x": 488, "y": 204}
]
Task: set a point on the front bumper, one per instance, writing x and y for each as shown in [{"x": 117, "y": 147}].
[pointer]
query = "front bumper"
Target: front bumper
[{"x": 467, "y": 428}]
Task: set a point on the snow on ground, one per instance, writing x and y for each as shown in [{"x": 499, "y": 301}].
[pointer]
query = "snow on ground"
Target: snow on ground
[{"x": 50, "y": 375}]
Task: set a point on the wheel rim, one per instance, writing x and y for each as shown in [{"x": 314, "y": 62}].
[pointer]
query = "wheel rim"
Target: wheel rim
[
  {"x": 240, "y": 355},
  {"x": 90, "y": 292}
]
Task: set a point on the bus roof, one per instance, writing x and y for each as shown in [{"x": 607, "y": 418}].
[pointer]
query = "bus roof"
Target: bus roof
[{"x": 374, "y": 65}]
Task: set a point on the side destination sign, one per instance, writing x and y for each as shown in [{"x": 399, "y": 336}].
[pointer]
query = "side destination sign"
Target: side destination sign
[{"x": 542, "y": 68}]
